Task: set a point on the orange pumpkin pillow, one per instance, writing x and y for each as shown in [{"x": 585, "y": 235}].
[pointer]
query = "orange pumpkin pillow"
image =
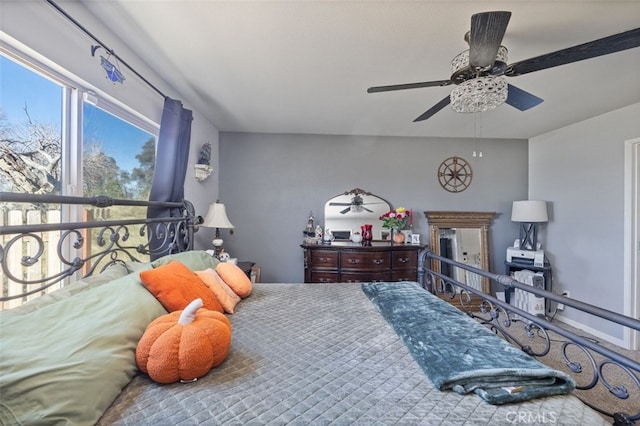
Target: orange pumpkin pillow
[
  {"x": 227, "y": 298},
  {"x": 184, "y": 345},
  {"x": 235, "y": 278},
  {"x": 175, "y": 286}
]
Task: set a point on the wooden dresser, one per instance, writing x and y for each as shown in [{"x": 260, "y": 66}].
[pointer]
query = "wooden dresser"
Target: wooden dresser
[{"x": 353, "y": 262}]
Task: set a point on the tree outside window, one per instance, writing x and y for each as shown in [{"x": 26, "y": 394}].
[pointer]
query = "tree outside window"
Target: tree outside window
[{"x": 30, "y": 131}]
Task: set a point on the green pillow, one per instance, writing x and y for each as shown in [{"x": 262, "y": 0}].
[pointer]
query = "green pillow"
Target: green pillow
[
  {"x": 66, "y": 362},
  {"x": 137, "y": 267},
  {"x": 196, "y": 260},
  {"x": 108, "y": 275}
]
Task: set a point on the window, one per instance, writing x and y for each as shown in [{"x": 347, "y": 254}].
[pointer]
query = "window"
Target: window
[
  {"x": 30, "y": 130},
  {"x": 118, "y": 149},
  {"x": 118, "y": 160},
  {"x": 30, "y": 161},
  {"x": 118, "y": 157},
  {"x": 42, "y": 152}
]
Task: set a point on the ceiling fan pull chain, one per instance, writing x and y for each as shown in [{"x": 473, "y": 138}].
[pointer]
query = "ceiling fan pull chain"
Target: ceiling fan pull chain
[{"x": 477, "y": 117}]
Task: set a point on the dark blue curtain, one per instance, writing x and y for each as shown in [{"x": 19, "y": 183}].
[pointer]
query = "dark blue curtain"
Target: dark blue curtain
[{"x": 172, "y": 155}]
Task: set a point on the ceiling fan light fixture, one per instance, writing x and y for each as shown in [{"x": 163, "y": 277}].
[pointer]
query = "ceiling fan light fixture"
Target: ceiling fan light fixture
[
  {"x": 479, "y": 94},
  {"x": 461, "y": 60}
]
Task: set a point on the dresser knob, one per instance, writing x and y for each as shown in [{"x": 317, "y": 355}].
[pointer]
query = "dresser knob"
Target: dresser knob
[
  {"x": 403, "y": 259},
  {"x": 353, "y": 261},
  {"x": 378, "y": 261}
]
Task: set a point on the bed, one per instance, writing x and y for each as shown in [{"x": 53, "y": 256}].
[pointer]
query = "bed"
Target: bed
[{"x": 352, "y": 353}]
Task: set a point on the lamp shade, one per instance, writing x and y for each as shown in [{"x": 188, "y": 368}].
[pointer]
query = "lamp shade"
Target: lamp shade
[
  {"x": 529, "y": 211},
  {"x": 217, "y": 217}
]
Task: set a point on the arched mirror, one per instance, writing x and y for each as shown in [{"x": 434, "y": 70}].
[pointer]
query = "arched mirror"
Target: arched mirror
[
  {"x": 345, "y": 213},
  {"x": 463, "y": 237}
]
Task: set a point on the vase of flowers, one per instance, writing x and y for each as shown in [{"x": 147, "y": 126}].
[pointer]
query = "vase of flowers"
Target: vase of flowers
[{"x": 395, "y": 221}]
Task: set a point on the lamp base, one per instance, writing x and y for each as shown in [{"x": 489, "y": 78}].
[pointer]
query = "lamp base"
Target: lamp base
[
  {"x": 529, "y": 236},
  {"x": 217, "y": 247}
]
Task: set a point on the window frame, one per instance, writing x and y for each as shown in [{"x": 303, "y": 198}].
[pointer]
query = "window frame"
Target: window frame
[{"x": 75, "y": 92}]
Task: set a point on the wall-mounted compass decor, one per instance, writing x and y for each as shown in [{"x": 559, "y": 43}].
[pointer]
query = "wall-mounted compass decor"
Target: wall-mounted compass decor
[{"x": 455, "y": 174}]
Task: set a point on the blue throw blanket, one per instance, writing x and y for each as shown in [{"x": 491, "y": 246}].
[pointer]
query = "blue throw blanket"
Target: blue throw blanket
[{"x": 456, "y": 352}]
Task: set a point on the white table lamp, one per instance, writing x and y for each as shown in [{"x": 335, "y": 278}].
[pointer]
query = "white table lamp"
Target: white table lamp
[
  {"x": 217, "y": 218},
  {"x": 529, "y": 213}
]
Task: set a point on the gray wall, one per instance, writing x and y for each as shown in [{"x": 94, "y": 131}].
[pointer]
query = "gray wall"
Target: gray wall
[
  {"x": 270, "y": 182},
  {"x": 579, "y": 169}
]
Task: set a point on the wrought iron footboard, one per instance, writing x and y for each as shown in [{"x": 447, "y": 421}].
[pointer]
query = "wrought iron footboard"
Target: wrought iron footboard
[
  {"x": 590, "y": 363},
  {"x": 88, "y": 246}
]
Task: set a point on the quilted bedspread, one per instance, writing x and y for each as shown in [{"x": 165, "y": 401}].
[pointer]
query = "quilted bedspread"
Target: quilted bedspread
[{"x": 321, "y": 354}]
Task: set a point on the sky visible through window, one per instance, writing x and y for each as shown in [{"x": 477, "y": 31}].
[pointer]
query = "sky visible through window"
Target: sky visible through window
[
  {"x": 43, "y": 99},
  {"x": 118, "y": 138},
  {"x": 20, "y": 87}
]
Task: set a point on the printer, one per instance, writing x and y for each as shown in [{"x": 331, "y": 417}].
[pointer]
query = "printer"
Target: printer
[{"x": 525, "y": 257}]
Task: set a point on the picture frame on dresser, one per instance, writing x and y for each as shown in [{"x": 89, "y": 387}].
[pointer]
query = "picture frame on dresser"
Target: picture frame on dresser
[{"x": 342, "y": 234}]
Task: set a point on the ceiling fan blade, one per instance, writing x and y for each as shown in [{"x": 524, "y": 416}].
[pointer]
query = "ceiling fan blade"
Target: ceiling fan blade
[
  {"x": 437, "y": 107},
  {"x": 603, "y": 46},
  {"x": 370, "y": 211},
  {"x": 487, "y": 31},
  {"x": 409, "y": 86},
  {"x": 521, "y": 99},
  {"x": 345, "y": 210}
]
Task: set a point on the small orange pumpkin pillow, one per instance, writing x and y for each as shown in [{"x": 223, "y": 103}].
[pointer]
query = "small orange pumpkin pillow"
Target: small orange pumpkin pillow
[
  {"x": 175, "y": 285},
  {"x": 184, "y": 345},
  {"x": 235, "y": 278}
]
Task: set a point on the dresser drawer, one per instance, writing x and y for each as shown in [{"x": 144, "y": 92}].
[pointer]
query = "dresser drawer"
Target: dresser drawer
[
  {"x": 324, "y": 259},
  {"x": 371, "y": 261},
  {"x": 404, "y": 259},
  {"x": 324, "y": 277},
  {"x": 365, "y": 277},
  {"x": 404, "y": 275}
]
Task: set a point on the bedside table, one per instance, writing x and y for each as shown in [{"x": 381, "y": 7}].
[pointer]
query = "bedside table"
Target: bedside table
[{"x": 251, "y": 269}]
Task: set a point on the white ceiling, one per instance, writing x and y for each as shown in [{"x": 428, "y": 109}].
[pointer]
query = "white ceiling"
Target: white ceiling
[{"x": 304, "y": 66}]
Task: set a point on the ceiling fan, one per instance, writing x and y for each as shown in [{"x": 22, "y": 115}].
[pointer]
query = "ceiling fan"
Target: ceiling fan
[
  {"x": 356, "y": 205},
  {"x": 479, "y": 72}
]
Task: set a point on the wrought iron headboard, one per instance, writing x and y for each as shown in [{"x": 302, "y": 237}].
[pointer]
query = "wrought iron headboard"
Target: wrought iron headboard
[
  {"x": 113, "y": 239},
  {"x": 503, "y": 318}
]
